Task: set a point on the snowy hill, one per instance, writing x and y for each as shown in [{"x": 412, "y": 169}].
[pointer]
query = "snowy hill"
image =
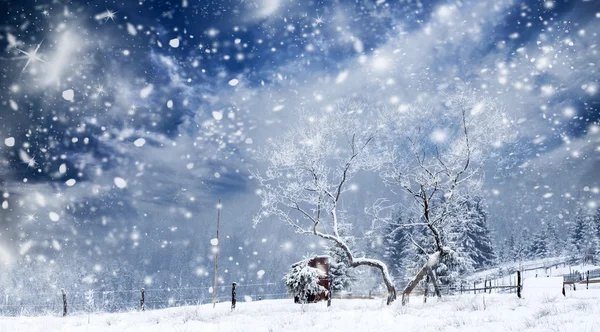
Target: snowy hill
[{"x": 578, "y": 311}]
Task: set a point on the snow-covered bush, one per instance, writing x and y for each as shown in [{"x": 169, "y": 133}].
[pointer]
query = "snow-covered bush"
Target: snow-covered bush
[
  {"x": 89, "y": 301},
  {"x": 302, "y": 281}
]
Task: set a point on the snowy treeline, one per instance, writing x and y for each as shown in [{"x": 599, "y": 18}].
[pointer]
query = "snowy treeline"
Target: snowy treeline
[{"x": 579, "y": 240}]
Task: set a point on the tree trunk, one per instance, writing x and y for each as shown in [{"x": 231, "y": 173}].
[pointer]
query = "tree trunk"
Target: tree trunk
[
  {"x": 435, "y": 283},
  {"x": 431, "y": 262},
  {"x": 413, "y": 283}
]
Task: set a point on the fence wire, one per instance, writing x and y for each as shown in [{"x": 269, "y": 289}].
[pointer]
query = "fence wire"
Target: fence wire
[
  {"x": 17, "y": 302},
  {"x": 20, "y": 302}
]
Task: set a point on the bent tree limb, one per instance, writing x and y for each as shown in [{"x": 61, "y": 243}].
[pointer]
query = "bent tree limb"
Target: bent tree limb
[
  {"x": 356, "y": 262},
  {"x": 384, "y": 273}
]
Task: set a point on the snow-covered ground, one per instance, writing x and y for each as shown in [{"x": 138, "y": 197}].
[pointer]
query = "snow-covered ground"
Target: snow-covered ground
[{"x": 579, "y": 311}]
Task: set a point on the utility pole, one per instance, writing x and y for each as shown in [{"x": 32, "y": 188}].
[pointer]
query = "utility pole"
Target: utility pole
[{"x": 217, "y": 255}]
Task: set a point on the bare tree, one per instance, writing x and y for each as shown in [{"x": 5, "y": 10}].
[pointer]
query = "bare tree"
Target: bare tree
[
  {"x": 309, "y": 170},
  {"x": 434, "y": 153}
]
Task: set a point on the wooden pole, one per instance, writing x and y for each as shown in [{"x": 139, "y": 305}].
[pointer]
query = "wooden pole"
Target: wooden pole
[
  {"x": 474, "y": 287},
  {"x": 426, "y": 292},
  {"x": 64, "y": 297},
  {"x": 587, "y": 280},
  {"x": 233, "y": 299},
  {"x": 519, "y": 284},
  {"x": 217, "y": 255},
  {"x": 142, "y": 300},
  {"x": 329, "y": 287}
]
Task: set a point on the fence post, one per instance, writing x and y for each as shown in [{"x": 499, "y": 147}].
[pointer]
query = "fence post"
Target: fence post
[
  {"x": 64, "y": 296},
  {"x": 587, "y": 279},
  {"x": 425, "y": 293},
  {"x": 490, "y": 289},
  {"x": 474, "y": 287},
  {"x": 461, "y": 287},
  {"x": 142, "y": 300},
  {"x": 329, "y": 294},
  {"x": 519, "y": 284},
  {"x": 233, "y": 299}
]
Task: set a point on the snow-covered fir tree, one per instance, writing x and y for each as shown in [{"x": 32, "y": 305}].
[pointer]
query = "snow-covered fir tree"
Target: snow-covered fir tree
[
  {"x": 576, "y": 235},
  {"x": 553, "y": 242},
  {"x": 340, "y": 272},
  {"x": 521, "y": 247},
  {"x": 590, "y": 244},
  {"x": 398, "y": 250},
  {"x": 596, "y": 222},
  {"x": 474, "y": 238},
  {"x": 507, "y": 248},
  {"x": 539, "y": 245},
  {"x": 89, "y": 301}
]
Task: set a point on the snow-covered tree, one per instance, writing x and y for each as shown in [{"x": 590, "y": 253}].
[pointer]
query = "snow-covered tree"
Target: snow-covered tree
[
  {"x": 584, "y": 242},
  {"x": 539, "y": 245},
  {"x": 590, "y": 244},
  {"x": 507, "y": 248},
  {"x": 89, "y": 301},
  {"x": 522, "y": 246},
  {"x": 341, "y": 275},
  {"x": 576, "y": 234},
  {"x": 596, "y": 222},
  {"x": 474, "y": 238},
  {"x": 308, "y": 173},
  {"x": 554, "y": 244},
  {"x": 398, "y": 250},
  {"x": 545, "y": 242},
  {"x": 434, "y": 154},
  {"x": 302, "y": 281}
]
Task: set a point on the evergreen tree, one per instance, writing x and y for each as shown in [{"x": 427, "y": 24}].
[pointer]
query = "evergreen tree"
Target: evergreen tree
[
  {"x": 415, "y": 253},
  {"x": 553, "y": 243},
  {"x": 576, "y": 235},
  {"x": 508, "y": 249},
  {"x": 539, "y": 245},
  {"x": 397, "y": 245},
  {"x": 474, "y": 238},
  {"x": 521, "y": 246},
  {"x": 590, "y": 244},
  {"x": 458, "y": 262},
  {"x": 340, "y": 273},
  {"x": 596, "y": 222}
]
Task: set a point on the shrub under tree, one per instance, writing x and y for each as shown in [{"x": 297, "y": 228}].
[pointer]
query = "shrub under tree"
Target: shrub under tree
[{"x": 302, "y": 281}]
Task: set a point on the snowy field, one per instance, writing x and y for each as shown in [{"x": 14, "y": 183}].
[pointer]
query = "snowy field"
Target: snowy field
[{"x": 579, "y": 311}]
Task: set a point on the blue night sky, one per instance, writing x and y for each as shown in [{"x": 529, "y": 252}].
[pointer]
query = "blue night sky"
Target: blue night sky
[{"x": 123, "y": 122}]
